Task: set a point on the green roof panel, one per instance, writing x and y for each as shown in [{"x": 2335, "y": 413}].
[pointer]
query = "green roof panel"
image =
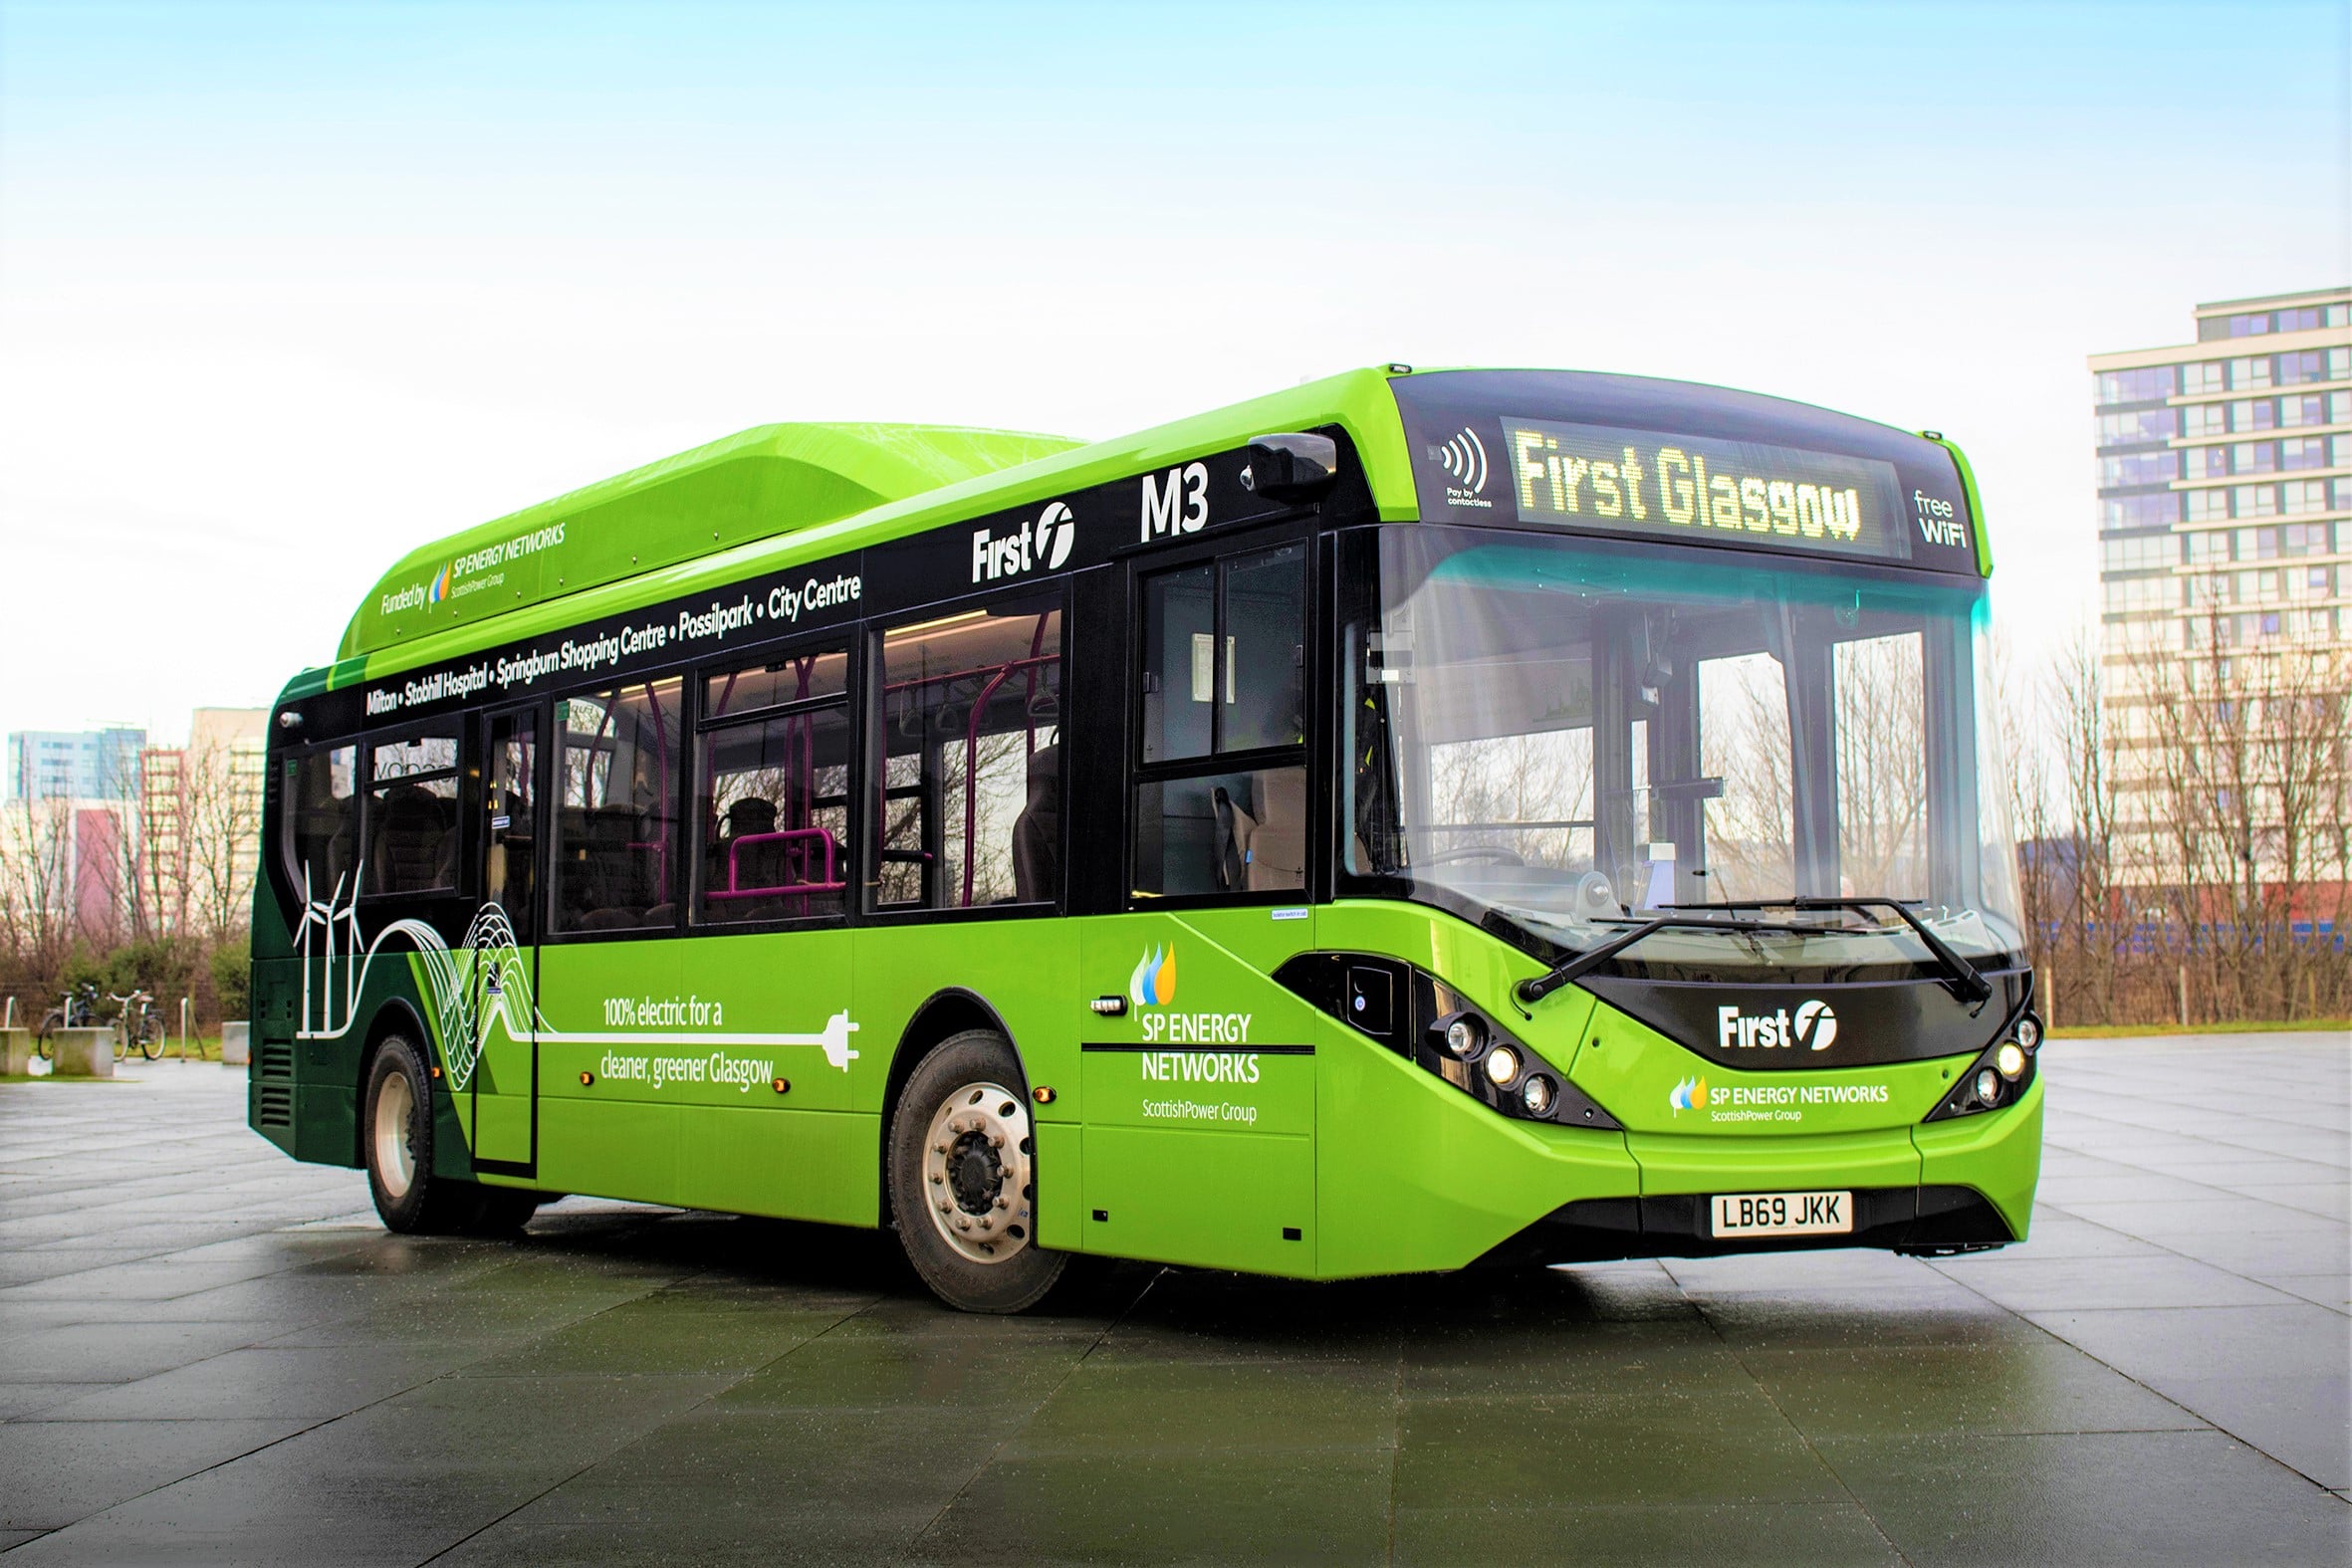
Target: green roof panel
[{"x": 764, "y": 482}]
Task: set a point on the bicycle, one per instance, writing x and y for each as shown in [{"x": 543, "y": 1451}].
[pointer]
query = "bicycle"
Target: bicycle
[
  {"x": 137, "y": 1026},
  {"x": 78, "y": 1011}
]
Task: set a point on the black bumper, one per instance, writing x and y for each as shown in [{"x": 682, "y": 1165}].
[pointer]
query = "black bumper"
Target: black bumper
[{"x": 1926, "y": 1219}]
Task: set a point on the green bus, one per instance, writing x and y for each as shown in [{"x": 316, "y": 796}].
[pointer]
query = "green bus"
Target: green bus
[{"x": 1407, "y": 821}]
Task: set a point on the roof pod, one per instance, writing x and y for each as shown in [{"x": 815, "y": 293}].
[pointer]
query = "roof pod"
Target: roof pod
[{"x": 762, "y": 482}]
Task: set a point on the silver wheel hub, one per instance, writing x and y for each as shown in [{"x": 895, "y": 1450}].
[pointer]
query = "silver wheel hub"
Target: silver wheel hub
[
  {"x": 979, "y": 1172},
  {"x": 395, "y": 1159}
]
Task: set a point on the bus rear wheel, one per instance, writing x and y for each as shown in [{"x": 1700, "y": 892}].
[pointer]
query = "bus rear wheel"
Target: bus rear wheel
[
  {"x": 963, "y": 1178},
  {"x": 397, "y": 1139}
]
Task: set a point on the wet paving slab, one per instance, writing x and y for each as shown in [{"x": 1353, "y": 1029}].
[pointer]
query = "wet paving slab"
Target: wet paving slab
[{"x": 210, "y": 1353}]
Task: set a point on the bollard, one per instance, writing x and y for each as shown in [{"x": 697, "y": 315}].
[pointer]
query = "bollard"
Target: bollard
[
  {"x": 236, "y": 1043},
  {"x": 16, "y": 1052},
  {"x": 83, "y": 1053}
]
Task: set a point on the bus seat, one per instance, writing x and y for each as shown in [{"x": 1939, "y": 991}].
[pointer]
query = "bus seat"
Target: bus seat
[
  {"x": 410, "y": 824},
  {"x": 1036, "y": 831},
  {"x": 1278, "y": 841},
  {"x": 755, "y": 865}
]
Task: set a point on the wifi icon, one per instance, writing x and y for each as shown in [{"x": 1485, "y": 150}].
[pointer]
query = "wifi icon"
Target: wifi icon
[{"x": 1465, "y": 458}]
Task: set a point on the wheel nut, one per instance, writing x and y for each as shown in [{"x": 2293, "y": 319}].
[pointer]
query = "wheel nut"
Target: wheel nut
[
  {"x": 986, "y": 1224},
  {"x": 997, "y": 1142},
  {"x": 1002, "y": 1202},
  {"x": 937, "y": 1179},
  {"x": 963, "y": 1223}
]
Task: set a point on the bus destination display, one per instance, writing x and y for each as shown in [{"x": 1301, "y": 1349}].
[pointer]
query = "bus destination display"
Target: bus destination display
[{"x": 1695, "y": 488}]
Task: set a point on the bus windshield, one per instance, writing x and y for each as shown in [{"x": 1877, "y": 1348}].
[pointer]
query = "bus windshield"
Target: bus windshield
[{"x": 1573, "y": 736}]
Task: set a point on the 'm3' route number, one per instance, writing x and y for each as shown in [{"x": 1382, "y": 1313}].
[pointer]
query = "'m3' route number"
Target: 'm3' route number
[{"x": 1176, "y": 502}]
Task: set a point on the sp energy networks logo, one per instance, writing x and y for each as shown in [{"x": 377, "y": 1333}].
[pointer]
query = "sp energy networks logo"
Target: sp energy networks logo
[
  {"x": 1044, "y": 543},
  {"x": 1688, "y": 1096},
  {"x": 1153, "y": 985},
  {"x": 1813, "y": 1025},
  {"x": 473, "y": 570}
]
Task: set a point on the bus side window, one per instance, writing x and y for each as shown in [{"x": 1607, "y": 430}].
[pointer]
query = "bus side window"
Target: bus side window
[
  {"x": 323, "y": 819},
  {"x": 1222, "y": 679},
  {"x": 774, "y": 812},
  {"x": 616, "y": 784},
  {"x": 412, "y": 822},
  {"x": 969, "y": 783}
]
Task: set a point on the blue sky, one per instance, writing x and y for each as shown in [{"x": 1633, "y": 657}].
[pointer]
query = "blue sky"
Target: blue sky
[{"x": 286, "y": 289}]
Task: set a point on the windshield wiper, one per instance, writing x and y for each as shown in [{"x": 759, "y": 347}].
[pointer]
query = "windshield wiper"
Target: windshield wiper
[
  {"x": 1543, "y": 984},
  {"x": 1973, "y": 986}
]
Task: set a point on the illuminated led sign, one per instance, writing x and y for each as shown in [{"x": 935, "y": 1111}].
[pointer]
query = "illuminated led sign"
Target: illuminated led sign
[{"x": 1703, "y": 489}]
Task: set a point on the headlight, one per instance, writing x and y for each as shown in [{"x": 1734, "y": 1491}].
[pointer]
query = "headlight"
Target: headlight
[
  {"x": 1502, "y": 1066},
  {"x": 2011, "y": 1059},
  {"x": 1536, "y": 1095},
  {"x": 1466, "y": 1035},
  {"x": 2029, "y": 1032},
  {"x": 1989, "y": 1087}
]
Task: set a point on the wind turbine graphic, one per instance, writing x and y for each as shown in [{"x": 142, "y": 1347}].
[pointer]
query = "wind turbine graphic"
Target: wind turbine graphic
[{"x": 325, "y": 914}]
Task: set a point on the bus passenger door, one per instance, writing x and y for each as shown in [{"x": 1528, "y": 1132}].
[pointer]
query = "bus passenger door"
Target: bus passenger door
[
  {"x": 1198, "y": 1070},
  {"x": 505, "y": 937}
]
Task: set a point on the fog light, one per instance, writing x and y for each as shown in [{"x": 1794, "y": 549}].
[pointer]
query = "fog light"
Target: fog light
[
  {"x": 2029, "y": 1032},
  {"x": 1989, "y": 1087},
  {"x": 2011, "y": 1059},
  {"x": 1536, "y": 1095},
  {"x": 1502, "y": 1066},
  {"x": 1465, "y": 1035}
]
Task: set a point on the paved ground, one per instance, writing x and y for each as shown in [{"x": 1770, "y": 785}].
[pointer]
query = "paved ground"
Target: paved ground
[{"x": 208, "y": 1353}]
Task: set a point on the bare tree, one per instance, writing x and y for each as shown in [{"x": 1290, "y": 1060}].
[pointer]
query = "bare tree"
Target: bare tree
[
  {"x": 220, "y": 827},
  {"x": 37, "y": 885}
]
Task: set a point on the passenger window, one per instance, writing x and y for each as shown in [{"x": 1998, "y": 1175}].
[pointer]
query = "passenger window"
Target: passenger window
[
  {"x": 323, "y": 821},
  {"x": 968, "y": 807},
  {"x": 411, "y": 820},
  {"x": 775, "y": 804},
  {"x": 617, "y": 782},
  {"x": 1224, "y": 652}
]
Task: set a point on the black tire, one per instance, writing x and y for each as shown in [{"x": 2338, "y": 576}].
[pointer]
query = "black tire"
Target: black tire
[
  {"x": 51, "y": 1022},
  {"x": 1014, "y": 1273},
  {"x": 409, "y": 1198},
  {"x": 150, "y": 1041},
  {"x": 504, "y": 1211}
]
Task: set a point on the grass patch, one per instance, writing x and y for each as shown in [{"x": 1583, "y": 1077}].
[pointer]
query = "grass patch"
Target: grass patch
[{"x": 2111, "y": 1032}]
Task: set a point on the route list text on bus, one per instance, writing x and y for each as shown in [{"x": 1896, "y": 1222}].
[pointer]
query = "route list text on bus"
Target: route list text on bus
[{"x": 1645, "y": 482}]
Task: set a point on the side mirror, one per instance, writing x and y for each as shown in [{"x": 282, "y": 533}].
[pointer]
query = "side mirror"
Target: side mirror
[{"x": 1291, "y": 466}]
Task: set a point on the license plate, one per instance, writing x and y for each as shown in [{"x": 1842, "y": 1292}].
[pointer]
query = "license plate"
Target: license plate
[{"x": 1784, "y": 1213}]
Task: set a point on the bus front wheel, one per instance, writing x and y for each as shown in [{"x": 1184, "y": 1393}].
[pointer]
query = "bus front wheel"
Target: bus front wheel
[{"x": 963, "y": 1178}]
